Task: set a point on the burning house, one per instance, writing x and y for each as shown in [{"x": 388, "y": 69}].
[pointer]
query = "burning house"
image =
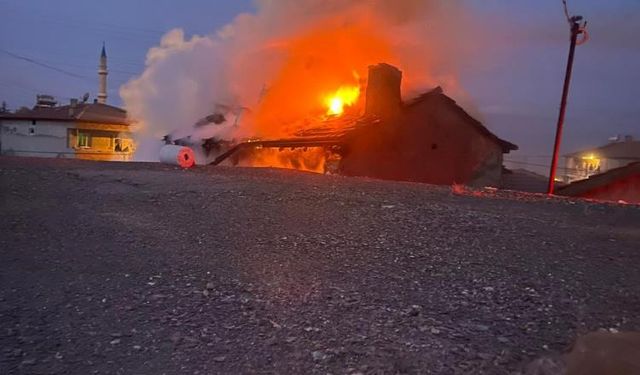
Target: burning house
[{"x": 428, "y": 139}]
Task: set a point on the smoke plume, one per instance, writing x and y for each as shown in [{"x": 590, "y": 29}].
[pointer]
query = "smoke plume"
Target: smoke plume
[{"x": 269, "y": 69}]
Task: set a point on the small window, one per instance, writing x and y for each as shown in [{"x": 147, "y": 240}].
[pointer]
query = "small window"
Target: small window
[
  {"x": 84, "y": 140},
  {"x": 33, "y": 122},
  {"x": 32, "y": 131}
]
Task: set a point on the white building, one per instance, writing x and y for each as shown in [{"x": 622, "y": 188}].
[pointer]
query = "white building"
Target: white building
[{"x": 620, "y": 152}]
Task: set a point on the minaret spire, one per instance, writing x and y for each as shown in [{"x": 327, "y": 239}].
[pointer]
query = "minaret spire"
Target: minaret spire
[{"x": 102, "y": 76}]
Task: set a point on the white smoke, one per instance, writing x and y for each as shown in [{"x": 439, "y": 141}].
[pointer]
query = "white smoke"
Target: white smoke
[{"x": 187, "y": 78}]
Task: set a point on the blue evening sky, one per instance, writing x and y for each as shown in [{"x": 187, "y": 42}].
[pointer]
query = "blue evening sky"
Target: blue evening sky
[{"x": 517, "y": 90}]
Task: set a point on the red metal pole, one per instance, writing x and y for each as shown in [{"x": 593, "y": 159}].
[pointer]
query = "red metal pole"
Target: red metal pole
[{"x": 575, "y": 31}]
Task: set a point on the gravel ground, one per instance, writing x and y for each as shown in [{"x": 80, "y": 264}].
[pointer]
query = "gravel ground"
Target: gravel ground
[{"x": 137, "y": 268}]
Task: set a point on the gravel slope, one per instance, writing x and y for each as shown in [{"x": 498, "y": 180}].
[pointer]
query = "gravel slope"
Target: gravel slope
[{"x": 146, "y": 269}]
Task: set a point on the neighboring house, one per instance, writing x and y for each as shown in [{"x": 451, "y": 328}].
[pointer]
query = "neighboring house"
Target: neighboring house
[
  {"x": 429, "y": 139},
  {"x": 78, "y": 130},
  {"x": 619, "y": 184},
  {"x": 583, "y": 164}
]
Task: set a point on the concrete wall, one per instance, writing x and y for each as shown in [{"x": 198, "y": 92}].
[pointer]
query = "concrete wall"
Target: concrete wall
[
  {"x": 35, "y": 138},
  {"x": 429, "y": 142}
]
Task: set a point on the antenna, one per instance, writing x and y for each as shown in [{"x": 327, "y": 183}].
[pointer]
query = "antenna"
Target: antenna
[{"x": 566, "y": 10}]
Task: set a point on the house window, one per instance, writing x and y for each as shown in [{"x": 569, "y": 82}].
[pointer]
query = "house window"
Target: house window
[
  {"x": 32, "y": 131},
  {"x": 122, "y": 145},
  {"x": 590, "y": 164},
  {"x": 84, "y": 140}
]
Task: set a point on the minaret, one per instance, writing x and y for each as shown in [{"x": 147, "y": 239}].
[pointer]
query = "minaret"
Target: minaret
[{"x": 102, "y": 76}]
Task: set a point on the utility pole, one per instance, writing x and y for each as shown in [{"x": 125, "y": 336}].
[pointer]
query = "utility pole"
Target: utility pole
[{"x": 578, "y": 27}]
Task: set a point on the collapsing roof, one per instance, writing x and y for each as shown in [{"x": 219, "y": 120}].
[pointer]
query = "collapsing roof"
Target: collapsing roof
[{"x": 330, "y": 132}]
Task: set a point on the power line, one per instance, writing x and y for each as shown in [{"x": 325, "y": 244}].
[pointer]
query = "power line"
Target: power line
[
  {"x": 42, "y": 64},
  {"x": 539, "y": 165}
]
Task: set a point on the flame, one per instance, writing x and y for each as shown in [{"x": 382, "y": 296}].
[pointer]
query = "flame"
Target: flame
[
  {"x": 344, "y": 96},
  {"x": 310, "y": 160},
  {"x": 320, "y": 76}
]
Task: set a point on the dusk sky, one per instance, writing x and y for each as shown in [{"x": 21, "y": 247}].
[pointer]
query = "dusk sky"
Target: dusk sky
[{"x": 517, "y": 90}]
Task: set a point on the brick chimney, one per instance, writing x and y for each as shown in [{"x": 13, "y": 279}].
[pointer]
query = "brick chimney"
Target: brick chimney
[
  {"x": 73, "y": 103},
  {"x": 383, "y": 90}
]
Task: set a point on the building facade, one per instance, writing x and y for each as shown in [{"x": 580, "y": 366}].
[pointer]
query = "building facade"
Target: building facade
[{"x": 81, "y": 131}]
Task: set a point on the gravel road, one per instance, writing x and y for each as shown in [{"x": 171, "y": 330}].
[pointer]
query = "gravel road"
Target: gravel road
[{"x": 138, "y": 268}]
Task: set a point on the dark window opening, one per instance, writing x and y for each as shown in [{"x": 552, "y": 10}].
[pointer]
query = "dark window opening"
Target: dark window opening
[
  {"x": 32, "y": 131},
  {"x": 434, "y": 146},
  {"x": 33, "y": 122},
  {"x": 121, "y": 145}
]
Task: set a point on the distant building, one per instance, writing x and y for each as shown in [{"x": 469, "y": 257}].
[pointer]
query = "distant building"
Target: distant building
[
  {"x": 618, "y": 153},
  {"x": 619, "y": 184},
  {"x": 80, "y": 130}
]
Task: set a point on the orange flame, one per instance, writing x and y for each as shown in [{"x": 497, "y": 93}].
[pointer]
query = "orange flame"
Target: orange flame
[
  {"x": 344, "y": 96},
  {"x": 320, "y": 76}
]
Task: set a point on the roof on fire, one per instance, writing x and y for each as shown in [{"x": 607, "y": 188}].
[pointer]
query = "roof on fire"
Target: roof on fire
[
  {"x": 339, "y": 127},
  {"x": 334, "y": 130},
  {"x": 81, "y": 112}
]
